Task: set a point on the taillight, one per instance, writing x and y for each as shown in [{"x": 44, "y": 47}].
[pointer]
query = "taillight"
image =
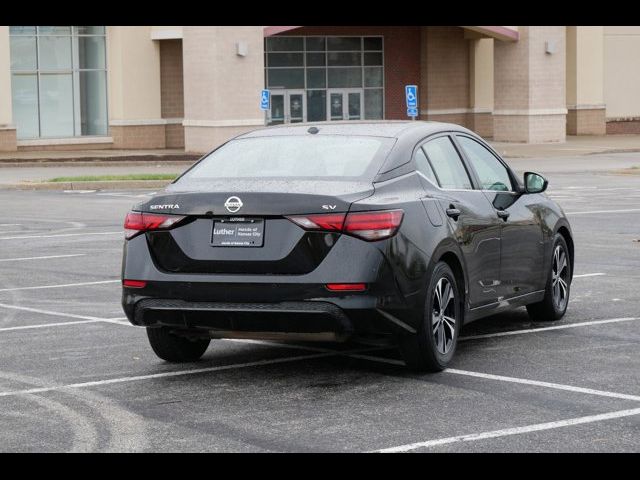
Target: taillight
[
  {"x": 369, "y": 226},
  {"x": 134, "y": 283},
  {"x": 138, "y": 222},
  {"x": 331, "y": 222}
]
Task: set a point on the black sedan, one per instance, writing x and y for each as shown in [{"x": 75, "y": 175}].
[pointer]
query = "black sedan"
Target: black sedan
[{"x": 332, "y": 231}]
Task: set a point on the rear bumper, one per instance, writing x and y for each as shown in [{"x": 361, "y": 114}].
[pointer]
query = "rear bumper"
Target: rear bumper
[
  {"x": 279, "y": 303},
  {"x": 222, "y": 319}
]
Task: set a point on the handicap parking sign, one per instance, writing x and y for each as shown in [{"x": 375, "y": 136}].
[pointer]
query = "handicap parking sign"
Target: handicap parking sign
[
  {"x": 411, "y": 92},
  {"x": 412, "y": 112},
  {"x": 265, "y": 100}
]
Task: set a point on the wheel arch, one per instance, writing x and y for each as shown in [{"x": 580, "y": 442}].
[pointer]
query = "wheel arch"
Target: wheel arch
[
  {"x": 564, "y": 229},
  {"x": 449, "y": 254}
]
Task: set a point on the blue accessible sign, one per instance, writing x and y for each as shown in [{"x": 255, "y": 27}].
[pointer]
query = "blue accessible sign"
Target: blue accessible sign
[
  {"x": 411, "y": 94},
  {"x": 265, "y": 100}
]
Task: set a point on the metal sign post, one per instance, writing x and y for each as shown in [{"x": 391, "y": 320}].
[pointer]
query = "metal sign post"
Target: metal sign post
[{"x": 411, "y": 94}]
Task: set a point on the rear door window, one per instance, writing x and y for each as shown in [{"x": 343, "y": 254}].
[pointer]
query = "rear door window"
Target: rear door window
[
  {"x": 422, "y": 165},
  {"x": 447, "y": 164}
]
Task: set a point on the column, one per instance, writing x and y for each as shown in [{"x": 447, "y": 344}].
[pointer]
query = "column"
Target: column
[
  {"x": 530, "y": 86},
  {"x": 481, "y": 85},
  {"x": 223, "y": 77},
  {"x": 7, "y": 129},
  {"x": 585, "y": 81},
  {"x": 135, "y": 119}
]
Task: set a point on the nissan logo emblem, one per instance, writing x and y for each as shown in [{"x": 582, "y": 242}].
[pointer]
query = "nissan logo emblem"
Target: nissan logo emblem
[{"x": 233, "y": 204}]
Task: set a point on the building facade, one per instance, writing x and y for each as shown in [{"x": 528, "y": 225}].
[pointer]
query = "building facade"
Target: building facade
[{"x": 149, "y": 87}]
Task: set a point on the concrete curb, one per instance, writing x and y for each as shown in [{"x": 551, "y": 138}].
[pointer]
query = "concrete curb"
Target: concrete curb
[{"x": 101, "y": 185}]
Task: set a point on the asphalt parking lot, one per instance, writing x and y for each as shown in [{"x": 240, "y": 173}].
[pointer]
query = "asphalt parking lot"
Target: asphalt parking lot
[{"x": 75, "y": 376}]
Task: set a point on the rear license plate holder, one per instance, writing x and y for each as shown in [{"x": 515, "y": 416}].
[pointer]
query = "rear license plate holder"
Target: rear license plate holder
[{"x": 237, "y": 232}]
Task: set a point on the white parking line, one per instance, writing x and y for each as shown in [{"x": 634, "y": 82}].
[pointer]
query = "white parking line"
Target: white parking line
[
  {"x": 513, "y": 431},
  {"x": 176, "y": 373},
  {"x": 545, "y": 329},
  {"x": 44, "y": 325},
  {"x": 41, "y": 258},
  {"x": 556, "y": 386},
  {"x": 117, "y": 320},
  {"x": 10, "y": 224},
  {"x": 61, "y": 235},
  {"x": 605, "y": 211},
  {"x": 58, "y": 286},
  {"x": 488, "y": 376},
  {"x": 589, "y": 275}
]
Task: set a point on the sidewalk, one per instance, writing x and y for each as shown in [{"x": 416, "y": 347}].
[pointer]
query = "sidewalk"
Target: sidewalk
[{"x": 575, "y": 145}]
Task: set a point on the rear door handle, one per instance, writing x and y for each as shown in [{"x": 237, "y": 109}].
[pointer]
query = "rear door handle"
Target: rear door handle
[
  {"x": 453, "y": 212},
  {"x": 503, "y": 214}
]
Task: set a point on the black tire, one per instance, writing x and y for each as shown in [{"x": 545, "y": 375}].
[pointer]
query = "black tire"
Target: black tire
[
  {"x": 421, "y": 351},
  {"x": 173, "y": 348},
  {"x": 551, "y": 307}
]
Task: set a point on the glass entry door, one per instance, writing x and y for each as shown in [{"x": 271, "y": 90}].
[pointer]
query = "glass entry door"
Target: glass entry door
[
  {"x": 288, "y": 106},
  {"x": 345, "y": 104}
]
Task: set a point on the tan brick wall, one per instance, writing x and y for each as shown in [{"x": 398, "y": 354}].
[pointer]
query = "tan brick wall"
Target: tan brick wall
[
  {"x": 547, "y": 72},
  {"x": 529, "y": 128},
  {"x": 204, "y": 139},
  {"x": 138, "y": 136},
  {"x": 8, "y": 140},
  {"x": 174, "y": 135},
  {"x": 586, "y": 122},
  {"x": 172, "y": 90},
  {"x": 624, "y": 126},
  {"x": 530, "y": 87},
  {"x": 171, "y": 79},
  {"x": 481, "y": 123},
  {"x": 547, "y": 128},
  {"x": 220, "y": 86},
  {"x": 457, "y": 118},
  {"x": 511, "y": 77},
  {"x": 446, "y": 83}
]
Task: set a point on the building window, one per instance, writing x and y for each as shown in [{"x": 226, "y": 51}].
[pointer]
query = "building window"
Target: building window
[
  {"x": 342, "y": 77},
  {"x": 58, "y": 81}
]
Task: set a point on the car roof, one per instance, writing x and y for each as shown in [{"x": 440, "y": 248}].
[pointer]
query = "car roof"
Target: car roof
[{"x": 374, "y": 128}]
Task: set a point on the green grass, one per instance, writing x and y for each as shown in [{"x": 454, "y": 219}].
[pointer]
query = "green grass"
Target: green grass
[{"x": 103, "y": 178}]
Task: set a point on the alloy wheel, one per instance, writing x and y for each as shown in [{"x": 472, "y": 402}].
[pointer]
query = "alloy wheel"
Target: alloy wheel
[
  {"x": 560, "y": 278},
  {"x": 443, "y": 316}
]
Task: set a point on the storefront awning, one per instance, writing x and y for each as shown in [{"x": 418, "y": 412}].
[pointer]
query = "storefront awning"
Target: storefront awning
[{"x": 498, "y": 32}]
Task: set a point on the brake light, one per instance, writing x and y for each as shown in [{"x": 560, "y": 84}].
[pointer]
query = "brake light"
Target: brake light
[
  {"x": 138, "y": 222},
  {"x": 371, "y": 226},
  {"x": 134, "y": 283},
  {"x": 346, "y": 287}
]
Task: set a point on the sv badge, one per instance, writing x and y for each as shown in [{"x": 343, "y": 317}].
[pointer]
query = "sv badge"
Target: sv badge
[{"x": 329, "y": 207}]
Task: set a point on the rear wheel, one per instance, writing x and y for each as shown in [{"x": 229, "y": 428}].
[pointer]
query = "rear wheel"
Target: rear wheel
[
  {"x": 558, "y": 286},
  {"x": 432, "y": 347},
  {"x": 173, "y": 348}
]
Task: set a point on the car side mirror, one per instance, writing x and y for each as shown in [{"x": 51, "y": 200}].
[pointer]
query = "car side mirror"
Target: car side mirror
[{"x": 534, "y": 183}]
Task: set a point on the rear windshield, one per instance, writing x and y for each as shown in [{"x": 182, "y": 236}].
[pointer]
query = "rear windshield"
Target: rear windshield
[{"x": 294, "y": 156}]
